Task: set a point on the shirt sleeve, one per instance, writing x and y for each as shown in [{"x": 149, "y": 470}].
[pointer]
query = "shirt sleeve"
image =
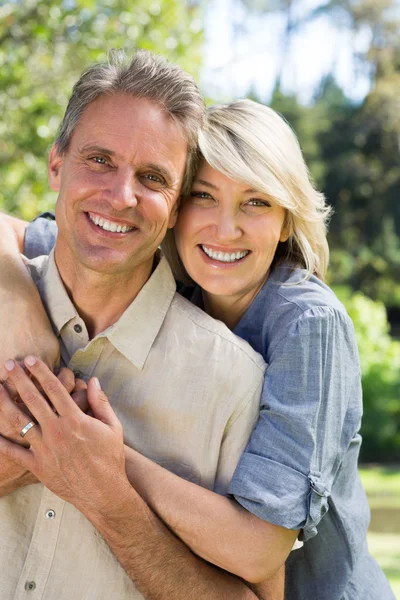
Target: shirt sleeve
[
  {"x": 237, "y": 435},
  {"x": 311, "y": 410},
  {"x": 40, "y": 236}
]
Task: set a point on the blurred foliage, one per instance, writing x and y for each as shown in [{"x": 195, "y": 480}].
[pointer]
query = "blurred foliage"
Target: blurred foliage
[
  {"x": 380, "y": 367},
  {"x": 353, "y": 152},
  {"x": 44, "y": 46}
]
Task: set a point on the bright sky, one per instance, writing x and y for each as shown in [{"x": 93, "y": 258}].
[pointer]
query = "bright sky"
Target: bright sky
[{"x": 236, "y": 61}]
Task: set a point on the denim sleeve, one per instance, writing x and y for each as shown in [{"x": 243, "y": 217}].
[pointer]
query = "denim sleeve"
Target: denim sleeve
[
  {"x": 40, "y": 236},
  {"x": 311, "y": 409}
]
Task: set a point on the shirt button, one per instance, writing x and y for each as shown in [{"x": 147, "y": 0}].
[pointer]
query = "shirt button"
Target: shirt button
[
  {"x": 77, "y": 374},
  {"x": 30, "y": 586},
  {"x": 78, "y": 328},
  {"x": 50, "y": 514}
]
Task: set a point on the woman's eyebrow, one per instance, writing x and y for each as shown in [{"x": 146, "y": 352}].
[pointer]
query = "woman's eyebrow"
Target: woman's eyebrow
[{"x": 206, "y": 183}]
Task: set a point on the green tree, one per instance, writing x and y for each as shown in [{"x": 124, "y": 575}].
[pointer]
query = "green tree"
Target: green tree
[
  {"x": 44, "y": 46},
  {"x": 380, "y": 367}
]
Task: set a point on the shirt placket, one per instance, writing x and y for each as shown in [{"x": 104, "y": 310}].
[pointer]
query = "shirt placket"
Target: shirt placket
[{"x": 42, "y": 548}]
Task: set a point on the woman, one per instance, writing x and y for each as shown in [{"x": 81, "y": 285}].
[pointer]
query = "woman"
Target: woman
[{"x": 252, "y": 235}]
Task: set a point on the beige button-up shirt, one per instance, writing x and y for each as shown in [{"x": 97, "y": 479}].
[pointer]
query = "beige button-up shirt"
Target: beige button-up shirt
[{"x": 187, "y": 393}]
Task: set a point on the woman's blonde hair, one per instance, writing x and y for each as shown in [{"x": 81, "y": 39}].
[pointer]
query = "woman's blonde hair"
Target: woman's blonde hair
[{"x": 250, "y": 142}]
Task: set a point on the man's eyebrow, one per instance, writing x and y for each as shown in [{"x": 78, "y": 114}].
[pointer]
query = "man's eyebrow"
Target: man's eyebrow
[
  {"x": 160, "y": 170},
  {"x": 153, "y": 166},
  {"x": 99, "y": 149}
]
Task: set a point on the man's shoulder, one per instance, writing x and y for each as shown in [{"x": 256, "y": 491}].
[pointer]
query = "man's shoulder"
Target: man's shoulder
[{"x": 197, "y": 328}]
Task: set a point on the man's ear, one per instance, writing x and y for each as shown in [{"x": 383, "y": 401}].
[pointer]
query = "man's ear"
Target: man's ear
[
  {"x": 174, "y": 214},
  {"x": 54, "y": 168}
]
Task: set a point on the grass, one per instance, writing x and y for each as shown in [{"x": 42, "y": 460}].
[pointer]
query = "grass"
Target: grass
[
  {"x": 385, "y": 548},
  {"x": 382, "y": 485}
]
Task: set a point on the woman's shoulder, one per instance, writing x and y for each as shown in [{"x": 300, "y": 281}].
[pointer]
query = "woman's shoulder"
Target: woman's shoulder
[
  {"x": 291, "y": 305},
  {"x": 290, "y": 290}
]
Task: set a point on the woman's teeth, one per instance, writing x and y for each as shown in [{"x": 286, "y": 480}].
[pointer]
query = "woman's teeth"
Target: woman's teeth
[
  {"x": 224, "y": 256},
  {"x": 109, "y": 225}
]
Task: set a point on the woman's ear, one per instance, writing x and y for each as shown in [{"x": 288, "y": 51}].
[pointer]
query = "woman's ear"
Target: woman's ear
[
  {"x": 284, "y": 234},
  {"x": 54, "y": 168},
  {"x": 286, "y": 229}
]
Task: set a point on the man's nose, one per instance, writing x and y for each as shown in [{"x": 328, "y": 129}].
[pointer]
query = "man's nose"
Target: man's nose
[{"x": 122, "y": 193}]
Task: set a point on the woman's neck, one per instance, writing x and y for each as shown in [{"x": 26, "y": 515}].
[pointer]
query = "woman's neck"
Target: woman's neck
[{"x": 229, "y": 309}]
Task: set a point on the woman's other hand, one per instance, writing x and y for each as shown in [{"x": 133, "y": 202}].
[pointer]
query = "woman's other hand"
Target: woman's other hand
[{"x": 24, "y": 326}]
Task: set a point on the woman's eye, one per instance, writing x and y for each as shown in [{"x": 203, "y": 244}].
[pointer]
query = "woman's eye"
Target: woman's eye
[
  {"x": 201, "y": 195},
  {"x": 255, "y": 202}
]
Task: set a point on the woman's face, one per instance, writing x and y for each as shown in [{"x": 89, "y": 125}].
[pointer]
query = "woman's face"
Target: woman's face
[{"x": 227, "y": 234}]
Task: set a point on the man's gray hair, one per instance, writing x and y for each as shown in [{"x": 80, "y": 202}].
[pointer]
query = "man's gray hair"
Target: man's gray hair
[{"x": 146, "y": 75}]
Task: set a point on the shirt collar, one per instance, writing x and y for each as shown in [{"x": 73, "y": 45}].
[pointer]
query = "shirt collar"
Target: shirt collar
[{"x": 134, "y": 333}]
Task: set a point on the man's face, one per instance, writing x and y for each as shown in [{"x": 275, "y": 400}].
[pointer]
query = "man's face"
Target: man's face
[{"x": 118, "y": 185}]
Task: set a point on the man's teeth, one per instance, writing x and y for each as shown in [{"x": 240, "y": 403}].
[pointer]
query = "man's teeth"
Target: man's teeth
[
  {"x": 109, "y": 225},
  {"x": 224, "y": 256}
]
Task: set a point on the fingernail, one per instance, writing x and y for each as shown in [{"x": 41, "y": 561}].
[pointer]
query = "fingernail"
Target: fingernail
[
  {"x": 9, "y": 365},
  {"x": 97, "y": 383},
  {"x": 30, "y": 360}
]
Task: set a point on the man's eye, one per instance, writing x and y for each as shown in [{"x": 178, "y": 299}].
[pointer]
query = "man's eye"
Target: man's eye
[
  {"x": 100, "y": 160},
  {"x": 153, "y": 177}
]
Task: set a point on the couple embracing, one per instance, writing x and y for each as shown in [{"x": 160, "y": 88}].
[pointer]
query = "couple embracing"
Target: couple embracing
[{"x": 197, "y": 444}]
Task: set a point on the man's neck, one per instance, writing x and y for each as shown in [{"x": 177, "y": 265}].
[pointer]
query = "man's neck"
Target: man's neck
[{"x": 99, "y": 298}]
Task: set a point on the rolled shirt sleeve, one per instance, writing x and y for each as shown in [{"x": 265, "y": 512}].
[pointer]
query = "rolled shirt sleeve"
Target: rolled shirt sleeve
[
  {"x": 40, "y": 236},
  {"x": 311, "y": 409}
]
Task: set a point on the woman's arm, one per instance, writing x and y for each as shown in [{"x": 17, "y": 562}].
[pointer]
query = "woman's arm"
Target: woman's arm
[
  {"x": 24, "y": 326},
  {"x": 213, "y": 526}
]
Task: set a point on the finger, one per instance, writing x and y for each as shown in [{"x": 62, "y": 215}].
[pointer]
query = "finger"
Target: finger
[
  {"x": 80, "y": 385},
  {"x": 16, "y": 419},
  {"x": 100, "y": 405},
  {"x": 67, "y": 378},
  {"x": 28, "y": 392},
  {"x": 9, "y": 384},
  {"x": 18, "y": 454},
  {"x": 54, "y": 390},
  {"x": 80, "y": 399}
]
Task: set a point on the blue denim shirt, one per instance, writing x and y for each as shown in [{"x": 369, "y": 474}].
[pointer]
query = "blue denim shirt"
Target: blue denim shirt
[{"x": 300, "y": 467}]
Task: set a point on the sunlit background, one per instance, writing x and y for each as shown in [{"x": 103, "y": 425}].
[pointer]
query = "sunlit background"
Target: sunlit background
[{"x": 332, "y": 69}]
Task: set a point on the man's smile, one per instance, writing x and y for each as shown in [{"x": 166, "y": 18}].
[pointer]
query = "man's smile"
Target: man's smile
[{"x": 109, "y": 225}]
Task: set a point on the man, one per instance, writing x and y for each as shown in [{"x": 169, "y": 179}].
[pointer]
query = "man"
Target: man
[{"x": 123, "y": 156}]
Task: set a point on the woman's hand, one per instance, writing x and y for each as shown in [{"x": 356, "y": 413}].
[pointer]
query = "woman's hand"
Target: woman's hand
[{"x": 12, "y": 475}]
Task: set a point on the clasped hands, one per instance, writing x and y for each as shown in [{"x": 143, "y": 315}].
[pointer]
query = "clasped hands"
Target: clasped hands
[{"x": 77, "y": 456}]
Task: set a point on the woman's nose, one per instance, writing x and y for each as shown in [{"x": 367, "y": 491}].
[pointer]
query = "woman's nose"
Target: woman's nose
[{"x": 227, "y": 227}]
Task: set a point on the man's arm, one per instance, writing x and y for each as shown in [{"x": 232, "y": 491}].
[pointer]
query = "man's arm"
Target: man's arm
[{"x": 81, "y": 459}]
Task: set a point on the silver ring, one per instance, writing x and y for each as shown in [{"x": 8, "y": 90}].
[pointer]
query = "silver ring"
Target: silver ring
[{"x": 25, "y": 430}]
